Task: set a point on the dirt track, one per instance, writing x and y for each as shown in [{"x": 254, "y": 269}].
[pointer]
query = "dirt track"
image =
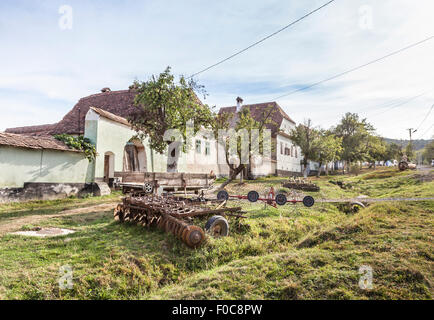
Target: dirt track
[{"x": 13, "y": 224}]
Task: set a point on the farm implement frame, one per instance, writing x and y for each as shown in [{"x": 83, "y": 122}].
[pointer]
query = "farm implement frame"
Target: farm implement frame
[
  {"x": 175, "y": 215},
  {"x": 271, "y": 199}
]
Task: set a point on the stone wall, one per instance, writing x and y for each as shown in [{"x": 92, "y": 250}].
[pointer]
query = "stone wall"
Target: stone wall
[{"x": 47, "y": 191}]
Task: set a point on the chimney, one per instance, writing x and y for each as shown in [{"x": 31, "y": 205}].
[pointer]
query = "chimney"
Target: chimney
[
  {"x": 105, "y": 90},
  {"x": 239, "y": 104}
]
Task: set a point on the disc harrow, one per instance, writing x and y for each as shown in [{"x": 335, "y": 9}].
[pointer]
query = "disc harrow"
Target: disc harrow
[{"x": 171, "y": 214}]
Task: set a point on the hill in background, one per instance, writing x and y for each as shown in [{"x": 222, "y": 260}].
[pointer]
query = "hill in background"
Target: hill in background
[{"x": 418, "y": 144}]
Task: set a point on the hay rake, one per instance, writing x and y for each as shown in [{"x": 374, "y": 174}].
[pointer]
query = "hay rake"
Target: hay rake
[{"x": 175, "y": 214}]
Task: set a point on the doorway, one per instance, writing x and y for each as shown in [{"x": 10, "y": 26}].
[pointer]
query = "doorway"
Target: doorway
[{"x": 109, "y": 166}]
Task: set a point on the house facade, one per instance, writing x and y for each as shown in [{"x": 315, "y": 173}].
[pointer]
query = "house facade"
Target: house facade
[{"x": 102, "y": 119}]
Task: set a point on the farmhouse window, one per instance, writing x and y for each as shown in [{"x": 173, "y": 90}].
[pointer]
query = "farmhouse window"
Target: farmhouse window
[
  {"x": 207, "y": 148},
  {"x": 198, "y": 146}
]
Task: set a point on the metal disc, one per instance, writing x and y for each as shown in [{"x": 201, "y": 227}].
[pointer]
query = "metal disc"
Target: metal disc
[{"x": 194, "y": 236}]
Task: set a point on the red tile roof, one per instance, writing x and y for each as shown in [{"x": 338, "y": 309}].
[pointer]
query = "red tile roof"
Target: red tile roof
[
  {"x": 256, "y": 110},
  {"x": 40, "y": 130},
  {"x": 25, "y": 141},
  {"x": 119, "y": 103}
]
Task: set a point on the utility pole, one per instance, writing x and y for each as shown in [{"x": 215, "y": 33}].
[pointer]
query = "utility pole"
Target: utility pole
[
  {"x": 410, "y": 146},
  {"x": 411, "y": 131}
]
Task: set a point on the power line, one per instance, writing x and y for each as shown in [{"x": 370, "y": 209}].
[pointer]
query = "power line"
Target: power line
[
  {"x": 393, "y": 106},
  {"x": 425, "y": 117},
  {"x": 423, "y": 135},
  {"x": 259, "y": 41},
  {"x": 356, "y": 68}
]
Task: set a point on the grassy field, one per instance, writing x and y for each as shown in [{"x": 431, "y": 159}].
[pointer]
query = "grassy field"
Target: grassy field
[{"x": 287, "y": 253}]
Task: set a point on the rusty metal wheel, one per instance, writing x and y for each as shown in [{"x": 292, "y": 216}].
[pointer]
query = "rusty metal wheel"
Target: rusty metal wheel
[
  {"x": 127, "y": 214},
  {"x": 194, "y": 236},
  {"x": 217, "y": 226},
  {"x": 119, "y": 213}
]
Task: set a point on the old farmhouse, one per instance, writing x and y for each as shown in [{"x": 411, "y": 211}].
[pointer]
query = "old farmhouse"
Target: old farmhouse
[{"x": 34, "y": 165}]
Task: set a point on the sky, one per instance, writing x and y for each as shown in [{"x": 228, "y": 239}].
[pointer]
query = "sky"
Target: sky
[{"x": 48, "y": 61}]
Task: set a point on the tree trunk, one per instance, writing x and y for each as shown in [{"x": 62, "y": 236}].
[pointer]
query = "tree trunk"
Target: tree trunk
[
  {"x": 305, "y": 171},
  {"x": 319, "y": 170},
  {"x": 232, "y": 176}
]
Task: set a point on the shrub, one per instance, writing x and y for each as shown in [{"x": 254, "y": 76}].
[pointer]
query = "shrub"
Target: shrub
[{"x": 79, "y": 143}]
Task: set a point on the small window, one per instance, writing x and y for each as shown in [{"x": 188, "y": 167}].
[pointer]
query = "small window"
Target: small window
[
  {"x": 292, "y": 151},
  {"x": 198, "y": 146},
  {"x": 281, "y": 148},
  {"x": 207, "y": 148},
  {"x": 296, "y": 152}
]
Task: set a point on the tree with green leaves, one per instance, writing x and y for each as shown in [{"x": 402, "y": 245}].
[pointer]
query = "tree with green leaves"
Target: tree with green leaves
[
  {"x": 409, "y": 151},
  {"x": 428, "y": 152},
  {"x": 393, "y": 152},
  {"x": 355, "y": 133},
  {"x": 375, "y": 149},
  {"x": 329, "y": 147},
  {"x": 307, "y": 138},
  {"x": 163, "y": 104},
  {"x": 250, "y": 140}
]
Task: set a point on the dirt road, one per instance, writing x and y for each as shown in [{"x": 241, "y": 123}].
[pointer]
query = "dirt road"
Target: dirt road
[{"x": 14, "y": 224}]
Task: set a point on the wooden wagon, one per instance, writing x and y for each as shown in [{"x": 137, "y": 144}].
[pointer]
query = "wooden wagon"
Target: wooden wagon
[{"x": 168, "y": 181}]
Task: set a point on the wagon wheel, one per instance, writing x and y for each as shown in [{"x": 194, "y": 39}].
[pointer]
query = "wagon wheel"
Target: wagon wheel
[
  {"x": 308, "y": 201},
  {"x": 280, "y": 199},
  {"x": 222, "y": 195},
  {"x": 253, "y": 196},
  {"x": 217, "y": 226},
  {"x": 356, "y": 206},
  {"x": 148, "y": 188}
]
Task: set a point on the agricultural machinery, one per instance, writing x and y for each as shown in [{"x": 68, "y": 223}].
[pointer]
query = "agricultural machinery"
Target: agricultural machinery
[
  {"x": 271, "y": 198},
  {"x": 175, "y": 215}
]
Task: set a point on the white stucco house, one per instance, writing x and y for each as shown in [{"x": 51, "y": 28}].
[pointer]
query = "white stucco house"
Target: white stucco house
[{"x": 102, "y": 118}]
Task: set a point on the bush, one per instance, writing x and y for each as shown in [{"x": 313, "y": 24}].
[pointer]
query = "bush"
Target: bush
[{"x": 79, "y": 143}]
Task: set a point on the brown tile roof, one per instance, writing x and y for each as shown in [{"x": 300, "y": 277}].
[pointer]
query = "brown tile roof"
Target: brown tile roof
[
  {"x": 111, "y": 116},
  {"x": 256, "y": 110},
  {"x": 30, "y": 142},
  {"x": 119, "y": 103},
  {"x": 40, "y": 130}
]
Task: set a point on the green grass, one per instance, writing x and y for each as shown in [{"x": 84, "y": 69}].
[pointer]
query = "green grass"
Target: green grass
[{"x": 286, "y": 253}]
